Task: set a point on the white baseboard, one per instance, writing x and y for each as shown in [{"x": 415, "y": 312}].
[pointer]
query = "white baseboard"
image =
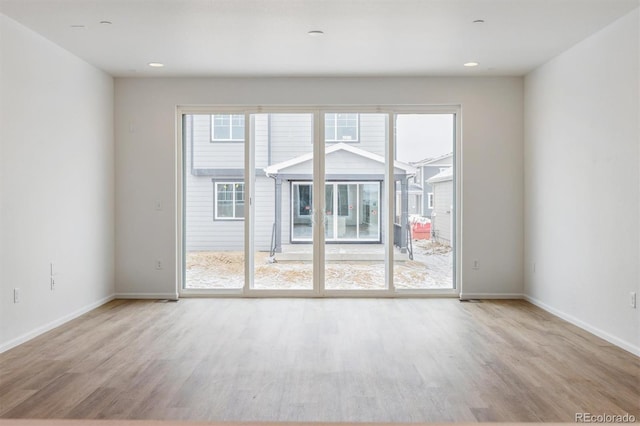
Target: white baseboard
[
  {"x": 579, "y": 323},
  {"x": 170, "y": 296},
  {"x": 467, "y": 296},
  {"x": 53, "y": 324}
]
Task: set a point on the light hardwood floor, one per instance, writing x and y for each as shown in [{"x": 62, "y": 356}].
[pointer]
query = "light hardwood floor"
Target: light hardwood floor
[{"x": 365, "y": 360}]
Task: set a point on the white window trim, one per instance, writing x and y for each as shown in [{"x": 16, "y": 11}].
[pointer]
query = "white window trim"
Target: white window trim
[
  {"x": 334, "y": 138},
  {"x": 215, "y": 201},
  {"x": 231, "y": 139}
]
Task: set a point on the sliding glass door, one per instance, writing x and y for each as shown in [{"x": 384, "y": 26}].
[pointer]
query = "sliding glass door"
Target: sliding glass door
[
  {"x": 213, "y": 197},
  {"x": 351, "y": 212},
  {"x": 424, "y": 205},
  {"x": 355, "y": 163},
  {"x": 317, "y": 202},
  {"x": 283, "y": 212}
]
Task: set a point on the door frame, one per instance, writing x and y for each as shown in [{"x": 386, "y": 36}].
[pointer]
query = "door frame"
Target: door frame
[{"x": 386, "y": 202}]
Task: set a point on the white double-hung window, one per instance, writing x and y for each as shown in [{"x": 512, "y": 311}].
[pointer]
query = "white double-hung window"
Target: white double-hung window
[
  {"x": 341, "y": 127},
  {"x": 229, "y": 200},
  {"x": 227, "y": 128}
]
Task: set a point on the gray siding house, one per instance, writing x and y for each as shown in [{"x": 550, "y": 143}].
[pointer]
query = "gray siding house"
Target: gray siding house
[
  {"x": 354, "y": 173},
  {"x": 428, "y": 168},
  {"x": 442, "y": 212}
]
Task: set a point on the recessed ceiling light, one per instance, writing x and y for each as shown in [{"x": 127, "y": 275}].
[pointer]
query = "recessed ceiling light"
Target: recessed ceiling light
[
  {"x": 479, "y": 21},
  {"x": 471, "y": 64},
  {"x": 106, "y": 22},
  {"x": 316, "y": 33},
  {"x": 156, "y": 64}
]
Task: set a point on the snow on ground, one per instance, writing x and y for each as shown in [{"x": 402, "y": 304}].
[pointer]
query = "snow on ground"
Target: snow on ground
[{"x": 431, "y": 267}]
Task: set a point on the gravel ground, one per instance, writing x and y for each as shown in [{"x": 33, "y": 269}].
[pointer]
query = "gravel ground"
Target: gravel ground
[{"x": 430, "y": 268}]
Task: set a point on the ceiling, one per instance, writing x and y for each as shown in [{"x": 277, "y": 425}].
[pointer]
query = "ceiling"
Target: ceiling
[{"x": 361, "y": 37}]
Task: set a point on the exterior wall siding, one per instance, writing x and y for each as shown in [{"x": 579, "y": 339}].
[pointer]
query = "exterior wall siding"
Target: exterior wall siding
[
  {"x": 202, "y": 231},
  {"x": 428, "y": 172},
  {"x": 286, "y": 136},
  {"x": 442, "y": 212},
  {"x": 207, "y": 154},
  {"x": 291, "y": 136},
  {"x": 373, "y": 133},
  {"x": 265, "y": 213}
]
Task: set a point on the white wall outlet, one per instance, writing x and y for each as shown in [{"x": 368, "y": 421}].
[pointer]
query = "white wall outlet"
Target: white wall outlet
[
  {"x": 53, "y": 283},
  {"x": 16, "y": 295},
  {"x": 476, "y": 264},
  {"x": 158, "y": 264},
  {"x": 632, "y": 299}
]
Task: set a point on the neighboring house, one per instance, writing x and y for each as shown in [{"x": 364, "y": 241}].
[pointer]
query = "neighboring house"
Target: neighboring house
[
  {"x": 442, "y": 212},
  {"x": 354, "y": 176},
  {"x": 428, "y": 168}
]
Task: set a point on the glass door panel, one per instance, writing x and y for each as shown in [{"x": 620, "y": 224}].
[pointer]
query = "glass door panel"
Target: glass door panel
[
  {"x": 424, "y": 214},
  {"x": 369, "y": 211},
  {"x": 329, "y": 221},
  {"x": 302, "y": 212},
  {"x": 355, "y": 147},
  {"x": 283, "y": 201},
  {"x": 346, "y": 214},
  {"x": 214, "y": 201}
]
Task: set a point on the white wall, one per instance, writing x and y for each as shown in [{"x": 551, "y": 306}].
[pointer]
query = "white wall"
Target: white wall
[
  {"x": 492, "y": 127},
  {"x": 56, "y": 184},
  {"x": 582, "y": 190}
]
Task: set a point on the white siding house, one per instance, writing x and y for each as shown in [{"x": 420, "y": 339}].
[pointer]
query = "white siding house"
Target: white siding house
[
  {"x": 214, "y": 180},
  {"x": 442, "y": 213}
]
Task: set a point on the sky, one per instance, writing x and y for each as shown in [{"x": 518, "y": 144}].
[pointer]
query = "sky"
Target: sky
[{"x": 420, "y": 136}]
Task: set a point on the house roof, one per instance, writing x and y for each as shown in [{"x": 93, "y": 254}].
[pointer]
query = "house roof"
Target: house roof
[
  {"x": 277, "y": 168},
  {"x": 431, "y": 161},
  {"x": 443, "y": 176}
]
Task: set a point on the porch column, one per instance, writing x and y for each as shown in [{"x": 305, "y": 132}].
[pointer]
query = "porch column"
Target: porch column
[
  {"x": 278, "y": 215},
  {"x": 404, "y": 216}
]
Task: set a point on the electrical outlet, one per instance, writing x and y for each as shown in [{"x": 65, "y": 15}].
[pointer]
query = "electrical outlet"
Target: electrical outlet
[
  {"x": 476, "y": 264},
  {"x": 632, "y": 301},
  {"x": 53, "y": 284},
  {"x": 158, "y": 264},
  {"x": 16, "y": 295}
]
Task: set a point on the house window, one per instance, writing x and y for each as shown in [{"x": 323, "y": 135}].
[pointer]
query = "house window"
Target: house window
[
  {"x": 227, "y": 128},
  {"x": 430, "y": 200},
  {"x": 304, "y": 200},
  {"x": 341, "y": 127},
  {"x": 343, "y": 200},
  {"x": 229, "y": 200}
]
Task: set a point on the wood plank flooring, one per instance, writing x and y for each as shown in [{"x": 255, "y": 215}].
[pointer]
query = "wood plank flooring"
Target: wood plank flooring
[{"x": 329, "y": 360}]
